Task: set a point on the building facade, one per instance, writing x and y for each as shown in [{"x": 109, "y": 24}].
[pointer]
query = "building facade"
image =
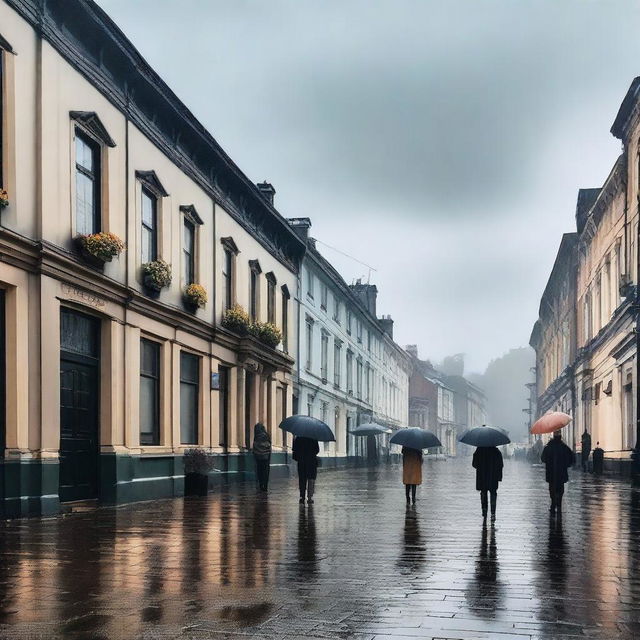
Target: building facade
[
  {"x": 349, "y": 370},
  {"x": 107, "y": 380},
  {"x": 603, "y": 371}
]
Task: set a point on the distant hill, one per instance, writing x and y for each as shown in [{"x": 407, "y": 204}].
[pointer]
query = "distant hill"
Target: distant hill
[{"x": 503, "y": 382}]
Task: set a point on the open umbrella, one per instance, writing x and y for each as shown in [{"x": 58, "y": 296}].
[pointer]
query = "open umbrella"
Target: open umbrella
[
  {"x": 369, "y": 429},
  {"x": 415, "y": 438},
  {"x": 308, "y": 427},
  {"x": 551, "y": 422},
  {"x": 484, "y": 436}
]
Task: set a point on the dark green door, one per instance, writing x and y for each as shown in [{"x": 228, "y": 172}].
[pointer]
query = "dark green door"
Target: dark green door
[{"x": 79, "y": 393}]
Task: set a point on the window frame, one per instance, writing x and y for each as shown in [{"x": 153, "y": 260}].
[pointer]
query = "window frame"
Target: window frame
[
  {"x": 284, "y": 311},
  {"x": 188, "y": 259},
  {"x": 197, "y": 384},
  {"x": 145, "y": 192},
  {"x": 271, "y": 297},
  {"x": 94, "y": 175},
  {"x": 154, "y": 438}
]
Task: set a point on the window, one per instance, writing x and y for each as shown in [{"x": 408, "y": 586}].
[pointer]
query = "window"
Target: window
[
  {"x": 359, "y": 331},
  {"x": 271, "y": 298},
  {"x": 87, "y": 185},
  {"x": 285, "y": 319},
  {"x": 227, "y": 279},
  {"x": 149, "y": 227},
  {"x": 223, "y": 390},
  {"x": 349, "y": 372},
  {"x": 324, "y": 296},
  {"x": 309, "y": 344},
  {"x": 309, "y": 283},
  {"x": 254, "y": 290},
  {"x": 359, "y": 379},
  {"x": 324, "y": 355},
  {"x": 309, "y": 405},
  {"x": 336, "y": 309},
  {"x": 368, "y": 382},
  {"x": 349, "y": 321},
  {"x": 337, "y": 362},
  {"x": 188, "y": 251},
  {"x": 189, "y": 394},
  {"x": 629, "y": 418},
  {"x": 149, "y": 392}
]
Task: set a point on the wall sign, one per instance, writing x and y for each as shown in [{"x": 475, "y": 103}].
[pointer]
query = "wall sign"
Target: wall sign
[{"x": 215, "y": 381}]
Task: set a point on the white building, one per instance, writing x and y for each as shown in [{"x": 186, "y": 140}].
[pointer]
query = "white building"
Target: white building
[{"x": 349, "y": 369}]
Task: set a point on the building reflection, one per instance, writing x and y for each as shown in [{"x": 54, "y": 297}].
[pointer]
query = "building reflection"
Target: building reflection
[{"x": 485, "y": 592}]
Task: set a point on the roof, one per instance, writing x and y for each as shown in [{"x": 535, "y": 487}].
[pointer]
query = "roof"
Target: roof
[
  {"x": 561, "y": 265},
  {"x": 586, "y": 200},
  {"x": 626, "y": 109}
]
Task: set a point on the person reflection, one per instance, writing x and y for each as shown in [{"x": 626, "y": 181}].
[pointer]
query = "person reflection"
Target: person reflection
[
  {"x": 413, "y": 552},
  {"x": 555, "y": 563},
  {"x": 307, "y": 543},
  {"x": 485, "y": 592},
  {"x": 261, "y": 538}
]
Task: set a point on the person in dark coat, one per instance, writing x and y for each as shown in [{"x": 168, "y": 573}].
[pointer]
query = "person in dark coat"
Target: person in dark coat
[
  {"x": 305, "y": 453},
  {"x": 262, "y": 454},
  {"x": 487, "y": 461},
  {"x": 586, "y": 449},
  {"x": 598, "y": 460},
  {"x": 557, "y": 458},
  {"x": 372, "y": 450}
]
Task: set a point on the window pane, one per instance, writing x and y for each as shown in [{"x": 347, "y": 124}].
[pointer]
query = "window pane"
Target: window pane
[
  {"x": 189, "y": 365},
  {"x": 148, "y": 410},
  {"x": 85, "y": 203},
  {"x": 79, "y": 333},
  {"x": 84, "y": 154},
  {"x": 188, "y": 413},
  {"x": 148, "y": 217},
  {"x": 149, "y": 357}
]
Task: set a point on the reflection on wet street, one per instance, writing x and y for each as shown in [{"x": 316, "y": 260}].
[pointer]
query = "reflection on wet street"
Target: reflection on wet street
[{"x": 357, "y": 564}]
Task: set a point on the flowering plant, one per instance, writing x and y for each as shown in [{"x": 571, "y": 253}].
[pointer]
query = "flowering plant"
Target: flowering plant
[
  {"x": 267, "y": 333},
  {"x": 103, "y": 245},
  {"x": 196, "y": 295},
  {"x": 236, "y": 319},
  {"x": 157, "y": 274},
  {"x": 4, "y": 198}
]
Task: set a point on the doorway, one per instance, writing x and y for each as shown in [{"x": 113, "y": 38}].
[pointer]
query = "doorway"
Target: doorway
[{"x": 79, "y": 405}]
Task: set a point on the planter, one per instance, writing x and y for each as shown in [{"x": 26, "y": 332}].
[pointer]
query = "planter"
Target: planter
[
  {"x": 151, "y": 292},
  {"x": 89, "y": 258},
  {"x": 196, "y": 484},
  {"x": 190, "y": 306}
]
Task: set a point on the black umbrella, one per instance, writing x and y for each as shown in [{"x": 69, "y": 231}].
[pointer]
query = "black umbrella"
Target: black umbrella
[
  {"x": 415, "y": 438},
  {"x": 308, "y": 427},
  {"x": 484, "y": 437},
  {"x": 369, "y": 429}
]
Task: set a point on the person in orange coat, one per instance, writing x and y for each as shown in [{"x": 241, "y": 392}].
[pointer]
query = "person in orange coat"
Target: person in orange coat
[{"x": 411, "y": 472}]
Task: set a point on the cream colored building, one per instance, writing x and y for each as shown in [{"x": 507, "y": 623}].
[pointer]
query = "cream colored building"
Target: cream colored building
[
  {"x": 602, "y": 373},
  {"x": 106, "y": 383}
]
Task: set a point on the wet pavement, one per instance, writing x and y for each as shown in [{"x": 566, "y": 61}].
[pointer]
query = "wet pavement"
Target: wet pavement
[{"x": 357, "y": 564}]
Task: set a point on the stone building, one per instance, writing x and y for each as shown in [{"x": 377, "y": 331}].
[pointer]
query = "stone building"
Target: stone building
[
  {"x": 349, "y": 370},
  {"x": 105, "y": 381},
  {"x": 604, "y": 367},
  {"x": 554, "y": 334}
]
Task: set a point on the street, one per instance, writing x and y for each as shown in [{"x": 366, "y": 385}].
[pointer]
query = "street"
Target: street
[{"x": 356, "y": 564}]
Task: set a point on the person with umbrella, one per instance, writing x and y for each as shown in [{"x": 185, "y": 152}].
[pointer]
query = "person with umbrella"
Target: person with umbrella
[
  {"x": 307, "y": 431},
  {"x": 488, "y": 463},
  {"x": 370, "y": 430},
  {"x": 262, "y": 454},
  {"x": 557, "y": 458},
  {"x": 413, "y": 441},
  {"x": 586, "y": 449}
]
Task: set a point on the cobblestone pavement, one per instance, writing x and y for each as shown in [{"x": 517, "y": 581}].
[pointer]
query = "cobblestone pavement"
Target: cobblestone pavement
[{"x": 357, "y": 564}]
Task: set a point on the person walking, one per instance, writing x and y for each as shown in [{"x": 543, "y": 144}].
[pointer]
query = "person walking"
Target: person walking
[
  {"x": 262, "y": 455},
  {"x": 372, "y": 450},
  {"x": 586, "y": 450},
  {"x": 411, "y": 472},
  {"x": 305, "y": 453},
  {"x": 598, "y": 460},
  {"x": 488, "y": 463},
  {"x": 557, "y": 458}
]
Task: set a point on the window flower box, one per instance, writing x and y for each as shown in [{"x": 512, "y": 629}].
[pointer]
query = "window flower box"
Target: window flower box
[
  {"x": 195, "y": 297},
  {"x": 99, "y": 248},
  {"x": 236, "y": 319},
  {"x": 267, "y": 333},
  {"x": 156, "y": 276},
  {"x": 4, "y": 198}
]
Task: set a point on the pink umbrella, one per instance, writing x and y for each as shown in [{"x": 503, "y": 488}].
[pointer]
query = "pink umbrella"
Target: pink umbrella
[{"x": 551, "y": 422}]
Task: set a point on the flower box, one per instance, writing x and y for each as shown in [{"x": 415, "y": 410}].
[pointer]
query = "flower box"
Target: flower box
[
  {"x": 156, "y": 276},
  {"x": 4, "y": 198},
  {"x": 236, "y": 319},
  {"x": 195, "y": 297},
  {"x": 99, "y": 248}
]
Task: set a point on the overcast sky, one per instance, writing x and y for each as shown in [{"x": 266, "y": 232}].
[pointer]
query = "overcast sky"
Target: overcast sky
[{"x": 441, "y": 142}]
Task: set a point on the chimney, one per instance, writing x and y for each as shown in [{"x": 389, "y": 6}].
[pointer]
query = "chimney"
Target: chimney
[
  {"x": 412, "y": 350},
  {"x": 367, "y": 294},
  {"x": 386, "y": 324},
  {"x": 300, "y": 227},
  {"x": 267, "y": 191}
]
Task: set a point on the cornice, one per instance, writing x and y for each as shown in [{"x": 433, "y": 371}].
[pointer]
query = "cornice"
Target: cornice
[{"x": 85, "y": 36}]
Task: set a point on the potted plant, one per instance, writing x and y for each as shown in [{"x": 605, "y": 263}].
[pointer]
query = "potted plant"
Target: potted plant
[
  {"x": 197, "y": 464},
  {"x": 267, "y": 333},
  {"x": 236, "y": 319},
  {"x": 4, "y": 198},
  {"x": 98, "y": 248},
  {"x": 156, "y": 275},
  {"x": 195, "y": 297}
]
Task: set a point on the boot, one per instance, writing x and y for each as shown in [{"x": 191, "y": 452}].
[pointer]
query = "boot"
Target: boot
[{"x": 311, "y": 484}]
